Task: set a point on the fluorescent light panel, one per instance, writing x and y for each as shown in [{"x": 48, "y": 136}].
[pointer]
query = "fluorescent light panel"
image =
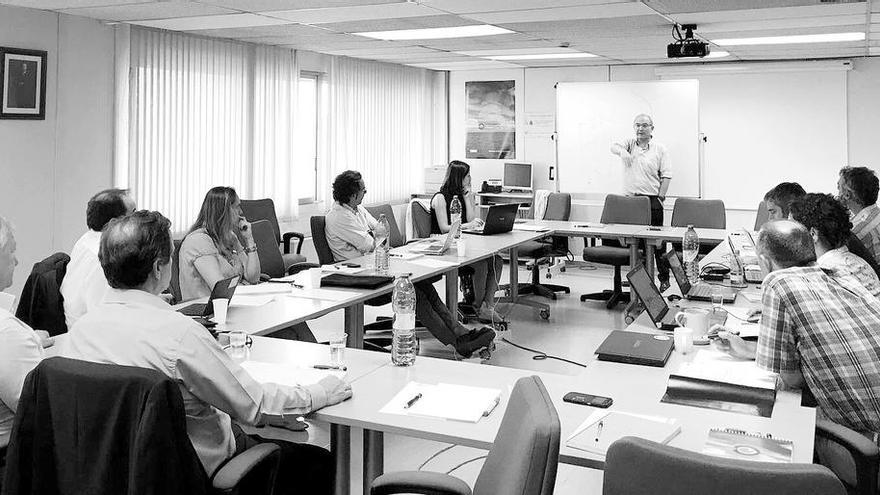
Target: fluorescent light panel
[
  {"x": 436, "y": 33},
  {"x": 794, "y": 39},
  {"x": 542, "y": 56}
]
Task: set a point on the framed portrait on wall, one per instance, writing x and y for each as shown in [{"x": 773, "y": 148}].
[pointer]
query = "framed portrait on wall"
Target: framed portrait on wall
[
  {"x": 491, "y": 119},
  {"x": 22, "y": 84}
]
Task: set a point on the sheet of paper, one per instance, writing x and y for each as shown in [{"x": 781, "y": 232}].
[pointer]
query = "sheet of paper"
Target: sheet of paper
[
  {"x": 751, "y": 296},
  {"x": 259, "y": 300},
  {"x": 284, "y": 374},
  {"x": 321, "y": 294},
  {"x": 432, "y": 263},
  {"x": 445, "y": 401},
  {"x": 342, "y": 269},
  {"x": 617, "y": 424},
  {"x": 265, "y": 288},
  {"x": 720, "y": 367},
  {"x": 403, "y": 253}
]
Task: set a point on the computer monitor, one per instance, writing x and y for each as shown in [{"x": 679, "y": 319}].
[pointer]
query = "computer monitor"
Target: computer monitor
[{"x": 517, "y": 176}]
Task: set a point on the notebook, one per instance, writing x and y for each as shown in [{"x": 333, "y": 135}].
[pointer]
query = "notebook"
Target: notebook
[
  {"x": 739, "y": 444},
  {"x": 591, "y": 437},
  {"x": 445, "y": 401},
  {"x": 635, "y": 348}
]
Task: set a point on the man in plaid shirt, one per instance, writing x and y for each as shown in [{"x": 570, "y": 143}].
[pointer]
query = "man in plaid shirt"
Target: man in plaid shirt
[{"x": 817, "y": 331}]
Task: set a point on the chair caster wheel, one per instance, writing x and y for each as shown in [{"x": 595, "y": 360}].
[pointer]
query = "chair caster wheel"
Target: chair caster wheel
[
  {"x": 545, "y": 314},
  {"x": 628, "y": 319}
]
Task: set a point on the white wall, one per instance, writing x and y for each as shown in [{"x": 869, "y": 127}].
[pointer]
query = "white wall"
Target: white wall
[
  {"x": 50, "y": 168},
  {"x": 535, "y": 94}
]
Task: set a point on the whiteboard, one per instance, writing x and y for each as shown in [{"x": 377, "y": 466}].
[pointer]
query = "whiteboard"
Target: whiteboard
[{"x": 590, "y": 116}]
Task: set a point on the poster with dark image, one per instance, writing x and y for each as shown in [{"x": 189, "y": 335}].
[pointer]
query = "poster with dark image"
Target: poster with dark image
[
  {"x": 491, "y": 119},
  {"x": 23, "y": 84}
]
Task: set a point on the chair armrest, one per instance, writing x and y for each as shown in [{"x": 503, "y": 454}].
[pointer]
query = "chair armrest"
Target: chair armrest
[
  {"x": 865, "y": 453},
  {"x": 421, "y": 482},
  {"x": 285, "y": 240},
  {"x": 298, "y": 267},
  {"x": 229, "y": 476}
]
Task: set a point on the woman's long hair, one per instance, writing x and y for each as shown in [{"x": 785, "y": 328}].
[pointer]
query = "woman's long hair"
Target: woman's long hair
[
  {"x": 216, "y": 218},
  {"x": 453, "y": 183}
]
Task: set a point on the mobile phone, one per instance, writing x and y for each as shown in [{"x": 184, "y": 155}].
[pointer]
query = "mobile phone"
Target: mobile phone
[
  {"x": 588, "y": 400},
  {"x": 351, "y": 265}
]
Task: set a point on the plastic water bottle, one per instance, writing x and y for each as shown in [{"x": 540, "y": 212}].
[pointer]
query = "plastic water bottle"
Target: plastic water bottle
[
  {"x": 736, "y": 271},
  {"x": 690, "y": 247},
  {"x": 403, "y": 342},
  {"x": 381, "y": 234},
  {"x": 455, "y": 215}
]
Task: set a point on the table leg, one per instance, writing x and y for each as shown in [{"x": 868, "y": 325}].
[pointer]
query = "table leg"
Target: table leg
[
  {"x": 340, "y": 445},
  {"x": 649, "y": 257},
  {"x": 374, "y": 457},
  {"x": 354, "y": 325},
  {"x": 514, "y": 273},
  {"x": 633, "y": 252},
  {"x": 452, "y": 290}
]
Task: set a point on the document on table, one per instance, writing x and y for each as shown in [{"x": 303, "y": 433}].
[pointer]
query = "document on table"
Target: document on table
[
  {"x": 444, "y": 400},
  {"x": 320, "y": 294},
  {"x": 604, "y": 427},
  {"x": 285, "y": 374},
  {"x": 264, "y": 288},
  {"x": 348, "y": 270},
  {"x": 721, "y": 367},
  {"x": 432, "y": 263},
  {"x": 404, "y": 253},
  {"x": 258, "y": 300}
]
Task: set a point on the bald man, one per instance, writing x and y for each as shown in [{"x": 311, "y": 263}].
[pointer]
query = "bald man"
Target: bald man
[
  {"x": 817, "y": 331},
  {"x": 647, "y": 171}
]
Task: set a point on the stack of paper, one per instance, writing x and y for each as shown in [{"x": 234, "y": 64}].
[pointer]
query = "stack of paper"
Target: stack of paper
[
  {"x": 285, "y": 374},
  {"x": 602, "y": 428},
  {"x": 721, "y": 367},
  {"x": 446, "y": 401}
]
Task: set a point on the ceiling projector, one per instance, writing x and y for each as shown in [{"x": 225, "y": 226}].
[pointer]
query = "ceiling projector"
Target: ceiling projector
[{"x": 686, "y": 46}]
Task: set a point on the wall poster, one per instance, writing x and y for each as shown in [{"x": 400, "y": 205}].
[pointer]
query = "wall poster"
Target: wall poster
[{"x": 491, "y": 120}]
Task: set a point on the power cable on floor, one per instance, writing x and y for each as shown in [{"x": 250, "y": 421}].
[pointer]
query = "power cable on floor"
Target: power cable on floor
[
  {"x": 467, "y": 462},
  {"x": 540, "y": 355},
  {"x": 444, "y": 449}
]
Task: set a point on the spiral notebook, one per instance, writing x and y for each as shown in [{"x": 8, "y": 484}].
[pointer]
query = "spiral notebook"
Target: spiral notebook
[{"x": 740, "y": 444}]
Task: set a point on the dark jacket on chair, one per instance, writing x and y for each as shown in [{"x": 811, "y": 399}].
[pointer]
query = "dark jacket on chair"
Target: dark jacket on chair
[
  {"x": 89, "y": 428},
  {"x": 41, "y": 305}
]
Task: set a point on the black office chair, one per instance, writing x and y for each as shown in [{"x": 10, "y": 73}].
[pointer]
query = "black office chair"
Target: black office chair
[
  {"x": 701, "y": 213},
  {"x": 139, "y": 445},
  {"x": 635, "y": 466},
  {"x": 41, "y": 305},
  {"x": 546, "y": 250},
  {"x": 629, "y": 210},
  {"x": 264, "y": 209},
  {"x": 271, "y": 261},
  {"x": 854, "y": 458}
]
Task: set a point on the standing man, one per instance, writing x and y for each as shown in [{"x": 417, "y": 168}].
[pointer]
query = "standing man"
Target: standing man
[{"x": 647, "y": 172}]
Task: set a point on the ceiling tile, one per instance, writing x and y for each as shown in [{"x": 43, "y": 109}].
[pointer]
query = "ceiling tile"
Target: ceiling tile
[
  {"x": 211, "y": 22},
  {"x": 467, "y": 65},
  {"x": 147, "y": 11},
  {"x": 265, "y": 31},
  {"x": 267, "y": 5},
  {"x": 827, "y": 9},
  {"x": 369, "y": 52},
  {"x": 66, "y": 4},
  {"x": 679, "y": 6},
  {"x": 517, "y": 51},
  {"x": 360, "y": 13},
  {"x": 562, "y": 13},
  {"x": 471, "y": 6},
  {"x": 772, "y": 25}
]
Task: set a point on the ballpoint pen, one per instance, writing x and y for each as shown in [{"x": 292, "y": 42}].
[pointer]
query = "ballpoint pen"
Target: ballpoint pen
[
  {"x": 340, "y": 367},
  {"x": 412, "y": 401},
  {"x": 599, "y": 429}
]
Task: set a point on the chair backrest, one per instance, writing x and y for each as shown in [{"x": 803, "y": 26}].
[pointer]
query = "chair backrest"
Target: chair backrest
[
  {"x": 635, "y": 466},
  {"x": 271, "y": 261},
  {"x": 525, "y": 454},
  {"x": 558, "y": 207},
  {"x": 262, "y": 209},
  {"x": 386, "y": 209},
  {"x": 705, "y": 213},
  {"x": 318, "y": 225},
  {"x": 41, "y": 304},
  {"x": 96, "y": 448},
  {"x": 630, "y": 210},
  {"x": 421, "y": 220},
  {"x": 175, "y": 272},
  {"x": 762, "y": 216}
]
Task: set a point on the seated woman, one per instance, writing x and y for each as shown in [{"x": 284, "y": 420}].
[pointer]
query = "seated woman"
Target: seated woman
[
  {"x": 220, "y": 245},
  {"x": 21, "y": 348},
  {"x": 486, "y": 272}
]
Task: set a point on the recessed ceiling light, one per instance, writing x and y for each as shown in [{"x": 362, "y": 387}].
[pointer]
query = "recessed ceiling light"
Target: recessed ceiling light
[
  {"x": 541, "y": 56},
  {"x": 436, "y": 33},
  {"x": 799, "y": 38},
  {"x": 717, "y": 54}
]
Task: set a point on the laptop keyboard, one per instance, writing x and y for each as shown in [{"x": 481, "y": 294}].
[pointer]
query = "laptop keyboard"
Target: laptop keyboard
[{"x": 701, "y": 290}]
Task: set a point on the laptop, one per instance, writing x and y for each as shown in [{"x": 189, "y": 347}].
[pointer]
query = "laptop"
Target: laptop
[
  {"x": 642, "y": 284},
  {"x": 498, "y": 221},
  {"x": 742, "y": 251},
  {"x": 223, "y": 289},
  {"x": 635, "y": 348},
  {"x": 700, "y": 291},
  {"x": 434, "y": 247}
]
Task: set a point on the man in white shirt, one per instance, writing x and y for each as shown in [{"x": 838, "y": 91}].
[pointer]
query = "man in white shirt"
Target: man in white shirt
[
  {"x": 349, "y": 231},
  {"x": 133, "y": 326},
  {"x": 21, "y": 348},
  {"x": 647, "y": 171},
  {"x": 84, "y": 284}
]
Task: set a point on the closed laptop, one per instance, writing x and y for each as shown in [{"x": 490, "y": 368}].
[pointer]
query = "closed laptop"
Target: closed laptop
[{"x": 635, "y": 348}]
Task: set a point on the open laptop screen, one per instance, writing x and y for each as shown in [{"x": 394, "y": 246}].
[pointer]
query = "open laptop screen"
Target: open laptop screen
[
  {"x": 678, "y": 272},
  {"x": 644, "y": 287}
]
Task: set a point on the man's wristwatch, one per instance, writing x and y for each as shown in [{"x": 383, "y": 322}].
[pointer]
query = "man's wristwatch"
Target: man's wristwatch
[{"x": 251, "y": 249}]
